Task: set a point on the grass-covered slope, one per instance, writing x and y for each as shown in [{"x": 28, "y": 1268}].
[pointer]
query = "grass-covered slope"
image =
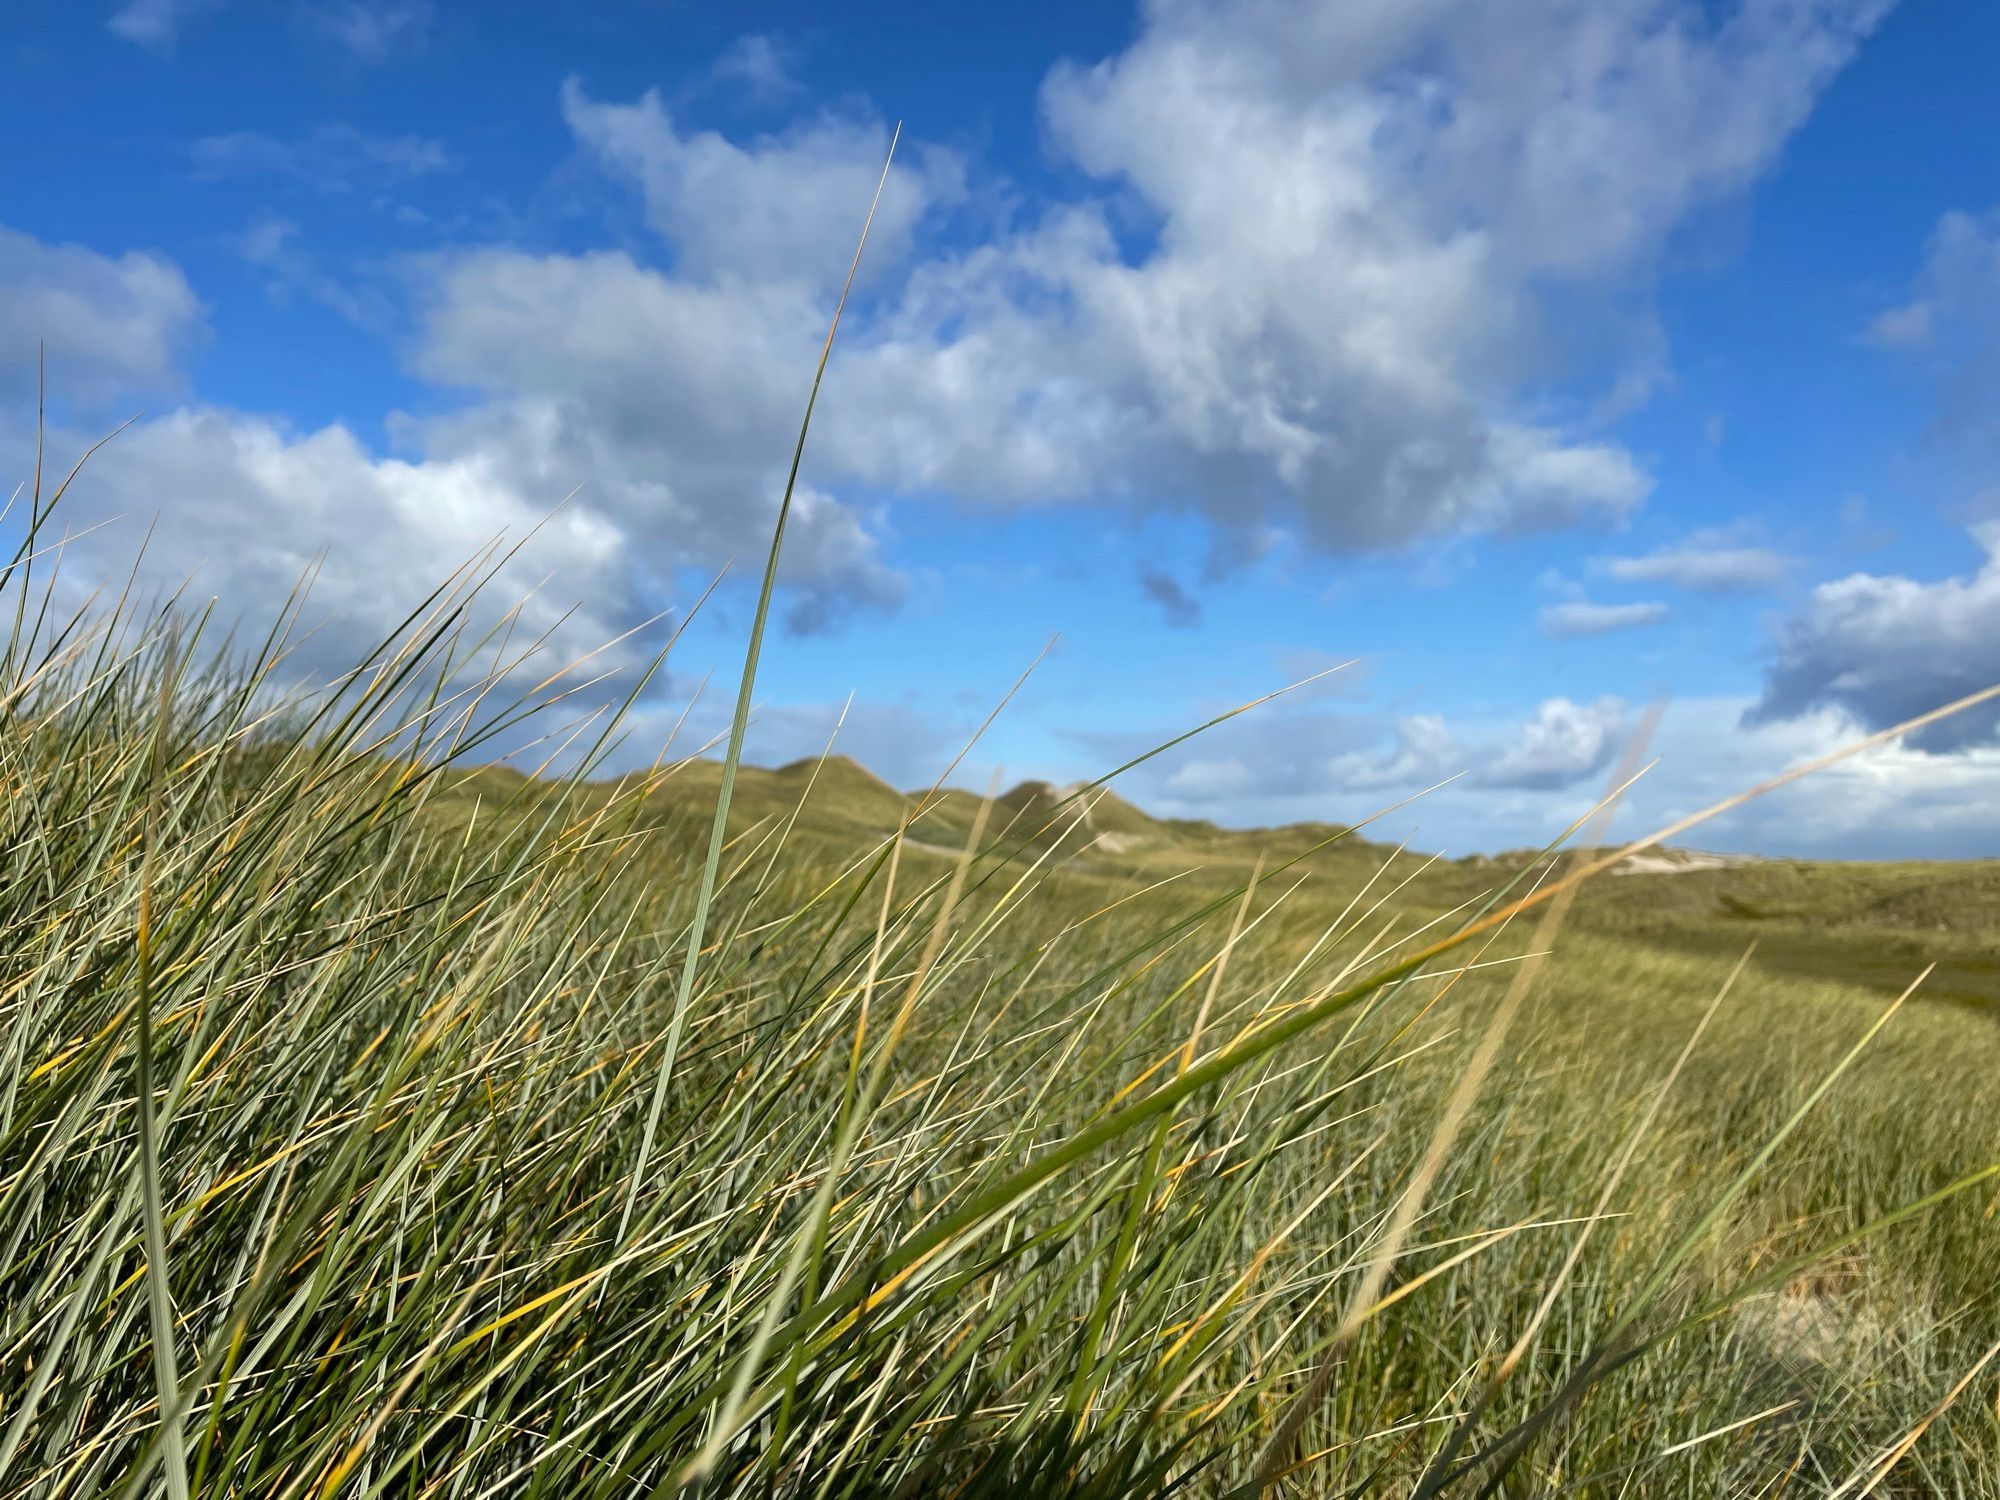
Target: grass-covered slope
[{"x": 1872, "y": 924}]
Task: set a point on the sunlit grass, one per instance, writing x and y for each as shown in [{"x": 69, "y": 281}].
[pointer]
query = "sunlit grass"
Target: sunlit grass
[
  {"x": 369, "y": 1127},
  {"x": 966, "y": 1180}
]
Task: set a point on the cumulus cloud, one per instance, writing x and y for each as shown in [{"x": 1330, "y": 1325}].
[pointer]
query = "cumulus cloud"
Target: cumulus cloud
[
  {"x": 1356, "y": 206},
  {"x": 1308, "y": 285},
  {"x": 1563, "y": 744},
  {"x": 1703, "y": 567},
  {"x": 1884, "y": 648},
  {"x": 1331, "y": 326},
  {"x": 1580, "y": 617},
  {"x": 248, "y": 507},
  {"x": 1875, "y": 649},
  {"x": 1421, "y": 749},
  {"x": 784, "y": 208},
  {"x": 686, "y": 452},
  {"x": 112, "y": 323}
]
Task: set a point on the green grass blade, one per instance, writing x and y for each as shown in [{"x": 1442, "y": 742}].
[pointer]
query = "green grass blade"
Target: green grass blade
[{"x": 739, "y": 724}]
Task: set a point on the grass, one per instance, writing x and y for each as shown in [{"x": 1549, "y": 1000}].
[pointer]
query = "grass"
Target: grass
[
  {"x": 373, "y": 1123},
  {"x": 978, "y": 1172}
]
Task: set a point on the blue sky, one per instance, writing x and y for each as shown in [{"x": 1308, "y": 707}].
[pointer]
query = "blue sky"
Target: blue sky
[{"x": 1541, "y": 359}]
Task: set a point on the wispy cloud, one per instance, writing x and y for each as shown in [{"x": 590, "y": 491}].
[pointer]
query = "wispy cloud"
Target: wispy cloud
[
  {"x": 1702, "y": 568},
  {"x": 156, "y": 24},
  {"x": 1952, "y": 322},
  {"x": 762, "y": 66},
  {"x": 375, "y": 32},
  {"x": 334, "y": 158},
  {"x": 292, "y": 272},
  {"x": 1581, "y": 617}
]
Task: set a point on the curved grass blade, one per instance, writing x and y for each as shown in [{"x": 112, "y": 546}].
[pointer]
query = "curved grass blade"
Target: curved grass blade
[{"x": 684, "y": 994}]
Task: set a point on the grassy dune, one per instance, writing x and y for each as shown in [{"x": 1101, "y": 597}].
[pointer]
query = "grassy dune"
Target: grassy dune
[
  {"x": 1872, "y": 924},
  {"x": 995, "y": 1155}
]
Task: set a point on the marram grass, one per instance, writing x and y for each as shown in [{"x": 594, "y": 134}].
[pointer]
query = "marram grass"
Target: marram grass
[
  {"x": 324, "y": 1069},
  {"x": 373, "y": 1126}
]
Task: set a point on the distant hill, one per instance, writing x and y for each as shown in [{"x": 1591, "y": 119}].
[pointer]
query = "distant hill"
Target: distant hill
[
  {"x": 1869, "y": 922},
  {"x": 840, "y": 796}
]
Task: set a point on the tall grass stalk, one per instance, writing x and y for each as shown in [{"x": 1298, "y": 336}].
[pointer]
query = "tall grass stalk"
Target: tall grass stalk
[{"x": 740, "y": 720}]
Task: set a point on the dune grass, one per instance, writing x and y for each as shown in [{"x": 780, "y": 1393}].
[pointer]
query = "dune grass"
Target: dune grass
[
  {"x": 372, "y": 1126},
  {"x": 324, "y": 1072}
]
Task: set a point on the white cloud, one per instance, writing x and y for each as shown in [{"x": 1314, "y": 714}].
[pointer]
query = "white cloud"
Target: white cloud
[
  {"x": 675, "y": 403},
  {"x": 1953, "y": 322},
  {"x": 1959, "y": 284},
  {"x": 1530, "y": 781},
  {"x": 1563, "y": 744},
  {"x": 1322, "y": 251},
  {"x": 1884, "y": 648},
  {"x": 369, "y": 31},
  {"x": 1298, "y": 753},
  {"x": 1422, "y": 750},
  {"x": 334, "y": 158},
  {"x": 1893, "y": 802},
  {"x": 1702, "y": 565},
  {"x": 1293, "y": 754},
  {"x": 1356, "y": 204},
  {"x": 764, "y": 66},
  {"x": 784, "y": 208},
  {"x": 1907, "y": 327},
  {"x": 1204, "y": 781},
  {"x": 1329, "y": 329},
  {"x": 907, "y": 745},
  {"x": 1582, "y": 618},
  {"x": 1333, "y": 323},
  {"x": 272, "y": 246},
  {"x": 673, "y": 477},
  {"x": 157, "y": 24},
  {"x": 112, "y": 324},
  {"x": 378, "y": 30},
  {"x": 246, "y": 507}
]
